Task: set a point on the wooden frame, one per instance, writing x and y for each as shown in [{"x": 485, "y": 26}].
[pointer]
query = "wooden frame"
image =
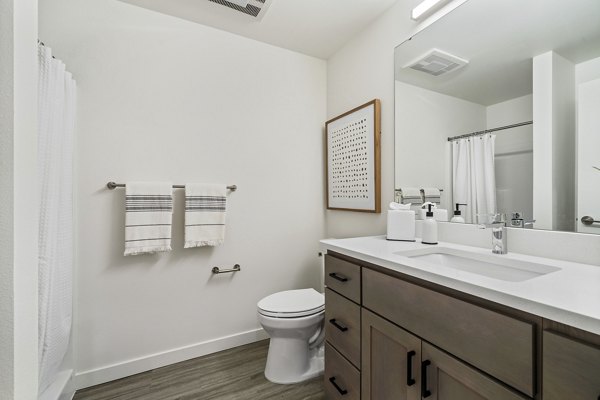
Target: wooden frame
[{"x": 353, "y": 145}]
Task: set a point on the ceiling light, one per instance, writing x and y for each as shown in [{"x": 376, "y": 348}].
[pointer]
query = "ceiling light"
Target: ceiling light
[{"x": 425, "y": 7}]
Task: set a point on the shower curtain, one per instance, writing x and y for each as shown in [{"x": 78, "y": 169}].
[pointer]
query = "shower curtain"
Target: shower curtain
[
  {"x": 474, "y": 177},
  {"x": 56, "y": 120}
]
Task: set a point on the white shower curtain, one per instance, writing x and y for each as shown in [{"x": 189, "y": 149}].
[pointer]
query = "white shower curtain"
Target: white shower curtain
[
  {"x": 56, "y": 120},
  {"x": 474, "y": 177}
]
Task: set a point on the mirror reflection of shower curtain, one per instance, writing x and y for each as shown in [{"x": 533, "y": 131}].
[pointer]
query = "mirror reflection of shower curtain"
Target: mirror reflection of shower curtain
[
  {"x": 473, "y": 175},
  {"x": 56, "y": 120}
]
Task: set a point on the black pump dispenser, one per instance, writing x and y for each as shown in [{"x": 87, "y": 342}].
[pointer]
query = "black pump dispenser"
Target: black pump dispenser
[
  {"x": 429, "y": 213},
  {"x": 457, "y": 211}
]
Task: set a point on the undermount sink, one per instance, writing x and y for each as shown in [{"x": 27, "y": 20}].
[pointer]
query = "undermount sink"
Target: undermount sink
[{"x": 492, "y": 266}]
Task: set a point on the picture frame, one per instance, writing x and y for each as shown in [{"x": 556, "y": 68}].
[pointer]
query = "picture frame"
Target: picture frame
[{"x": 353, "y": 143}]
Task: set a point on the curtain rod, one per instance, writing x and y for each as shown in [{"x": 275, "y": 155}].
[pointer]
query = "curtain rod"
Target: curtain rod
[{"x": 489, "y": 130}]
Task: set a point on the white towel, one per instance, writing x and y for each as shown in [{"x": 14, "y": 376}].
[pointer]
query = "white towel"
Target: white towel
[
  {"x": 411, "y": 195},
  {"x": 148, "y": 216},
  {"x": 205, "y": 206},
  {"x": 432, "y": 194}
]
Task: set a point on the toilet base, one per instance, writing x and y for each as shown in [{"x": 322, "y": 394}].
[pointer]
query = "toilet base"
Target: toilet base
[{"x": 291, "y": 361}]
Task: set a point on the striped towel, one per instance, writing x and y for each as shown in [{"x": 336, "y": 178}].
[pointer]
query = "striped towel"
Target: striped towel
[
  {"x": 149, "y": 211},
  {"x": 205, "y": 206}
]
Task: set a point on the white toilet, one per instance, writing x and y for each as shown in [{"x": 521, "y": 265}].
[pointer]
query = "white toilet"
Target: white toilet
[{"x": 294, "y": 321}]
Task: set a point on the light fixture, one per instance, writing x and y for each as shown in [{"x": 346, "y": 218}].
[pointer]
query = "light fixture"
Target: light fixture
[{"x": 425, "y": 8}]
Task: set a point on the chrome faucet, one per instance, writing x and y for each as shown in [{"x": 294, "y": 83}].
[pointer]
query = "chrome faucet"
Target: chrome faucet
[
  {"x": 517, "y": 221},
  {"x": 498, "y": 225}
]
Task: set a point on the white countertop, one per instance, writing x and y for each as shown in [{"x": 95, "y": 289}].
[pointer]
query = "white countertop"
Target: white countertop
[{"x": 570, "y": 295}]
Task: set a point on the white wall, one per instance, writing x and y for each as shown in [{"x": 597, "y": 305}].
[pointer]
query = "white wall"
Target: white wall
[
  {"x": 18, "y": 200},
  {"x": 554, "y": 138},
  {"x": 587, "y": 71},
  {"x": 424, "y": 121},
  {"x": 514, "y": 155},
  {"x": 361, "y": 71},
  {"x": 165, "y": 99}
]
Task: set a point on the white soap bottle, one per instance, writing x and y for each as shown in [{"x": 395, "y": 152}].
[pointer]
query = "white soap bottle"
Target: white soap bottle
[
  {"x": 430, "y": 229},
  {"x": 457, "y": 215}
]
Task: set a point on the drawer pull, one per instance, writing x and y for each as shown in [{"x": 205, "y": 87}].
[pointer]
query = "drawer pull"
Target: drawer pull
[
  {"x": 339, "y": 389},
  {"x": 338, "y": 325},
  {"x": 409, "y": 374},
  {"x": 424, "y": 391},
  {"x": 338, "y": 277}
]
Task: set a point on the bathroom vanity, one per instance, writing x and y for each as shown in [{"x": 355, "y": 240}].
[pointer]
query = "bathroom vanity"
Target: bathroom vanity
[{"x": 403, "y": 327}]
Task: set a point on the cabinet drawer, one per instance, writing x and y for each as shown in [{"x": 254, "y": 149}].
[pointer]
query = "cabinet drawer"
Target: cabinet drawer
[
  {"x": 495, "y": 343},
  {"x": 571, "y": 369},
  {"x": 343, "y": 277},
  {"x": 342, "y": 325},
  {"x": 342, "y": 380}
]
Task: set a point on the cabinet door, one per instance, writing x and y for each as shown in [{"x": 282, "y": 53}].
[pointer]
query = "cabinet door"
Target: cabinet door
[
  {"x": 571, "y": 369},
  {"x": 390, "y": 360},
  {"x": 445, "y": 378}
]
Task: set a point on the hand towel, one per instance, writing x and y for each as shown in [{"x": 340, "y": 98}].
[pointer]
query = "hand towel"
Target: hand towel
[
  {"x": 432, "y": 194},
  {"x": 205, "y": 206},
  {"x": 148, "y": 216}
]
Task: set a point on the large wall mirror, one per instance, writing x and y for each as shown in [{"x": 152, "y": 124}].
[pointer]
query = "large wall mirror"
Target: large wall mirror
[{"x": 498, "y": 105}]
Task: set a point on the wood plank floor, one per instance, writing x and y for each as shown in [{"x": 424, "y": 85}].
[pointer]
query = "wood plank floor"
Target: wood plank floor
[{"x": 235, "y": 374}]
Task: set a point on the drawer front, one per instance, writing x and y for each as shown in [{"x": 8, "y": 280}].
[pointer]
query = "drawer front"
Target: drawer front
[
  {"x": 497, "y": 344},
  {"x": 342, "y": 380},
  {"x": 342, "y": 325},
  {"x": 343, "y": 277},
  {"x": 571, "y": 369}
]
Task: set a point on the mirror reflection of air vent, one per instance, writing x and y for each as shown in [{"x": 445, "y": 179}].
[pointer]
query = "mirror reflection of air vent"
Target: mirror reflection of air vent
[
  {"x": 252, "y": 8},
  {"x": 437, "y": 62}
]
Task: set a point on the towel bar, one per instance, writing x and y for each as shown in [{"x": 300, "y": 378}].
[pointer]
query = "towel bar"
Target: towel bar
[
  {"x": 235, "y": 268},
  {"x": 112, "y": 185}
]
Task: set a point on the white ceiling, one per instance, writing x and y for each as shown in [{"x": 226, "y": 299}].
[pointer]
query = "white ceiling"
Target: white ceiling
[
  {"x": 314, "y": 27},
  {"x": 500, "y": 38}
]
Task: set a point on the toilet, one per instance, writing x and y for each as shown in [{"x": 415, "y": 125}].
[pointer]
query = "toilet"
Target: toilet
[{"x": 293, "y": 319}]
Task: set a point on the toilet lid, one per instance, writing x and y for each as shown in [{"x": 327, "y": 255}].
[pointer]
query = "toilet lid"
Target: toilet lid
[{"x": 292, "y": 304}]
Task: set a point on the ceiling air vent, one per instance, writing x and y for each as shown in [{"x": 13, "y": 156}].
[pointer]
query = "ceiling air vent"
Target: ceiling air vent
[
  {"x": 437, "y": 62},
  {"x": 253, "y": 8}
]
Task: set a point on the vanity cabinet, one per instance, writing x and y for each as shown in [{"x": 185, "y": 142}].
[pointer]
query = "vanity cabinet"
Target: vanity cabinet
[
  {"x": 571, "y": 368},
  {"x": 497, "y": 344},
  {"x": 393, "y": 336},
  {"x": 399, "y": 365}
]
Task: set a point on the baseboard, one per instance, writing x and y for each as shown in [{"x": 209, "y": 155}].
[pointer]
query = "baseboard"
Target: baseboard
[
  {"x": 58, "y": 389},
  {"x": 109, "y": 373}
]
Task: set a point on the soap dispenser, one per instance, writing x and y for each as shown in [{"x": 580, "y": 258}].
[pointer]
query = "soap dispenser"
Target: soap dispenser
[
  {"x": 457, "y": 214},
  {"x": 430, "y": 229}
]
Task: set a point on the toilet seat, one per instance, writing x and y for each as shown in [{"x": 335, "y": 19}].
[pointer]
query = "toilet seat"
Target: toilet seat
[{"x": 292, "y": 304}]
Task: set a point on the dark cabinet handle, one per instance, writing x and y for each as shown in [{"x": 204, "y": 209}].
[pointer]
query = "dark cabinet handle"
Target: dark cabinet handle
[
  {"x": 339, "y": 389},
  {"x": 338, "y": 277},
  {"x": 338, "y": 325},
  {"x": 409, "y": 374},
  {"x": 424, "y": 391}
]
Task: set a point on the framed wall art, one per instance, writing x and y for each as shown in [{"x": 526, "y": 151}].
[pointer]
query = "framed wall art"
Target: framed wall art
[{"x": 354, "y": 159}]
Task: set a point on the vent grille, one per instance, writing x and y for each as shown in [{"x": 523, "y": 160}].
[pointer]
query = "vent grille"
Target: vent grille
[
  {"x": 253, "y": 8},
  {"x": 437, "y": 62}
]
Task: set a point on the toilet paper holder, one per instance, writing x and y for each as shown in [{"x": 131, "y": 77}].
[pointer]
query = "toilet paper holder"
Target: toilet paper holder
[{"x": 217, "y": 270}]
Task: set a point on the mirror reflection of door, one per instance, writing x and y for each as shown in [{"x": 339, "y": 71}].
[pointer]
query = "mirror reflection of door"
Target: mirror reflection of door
[{"x": 588, "y": 154}]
